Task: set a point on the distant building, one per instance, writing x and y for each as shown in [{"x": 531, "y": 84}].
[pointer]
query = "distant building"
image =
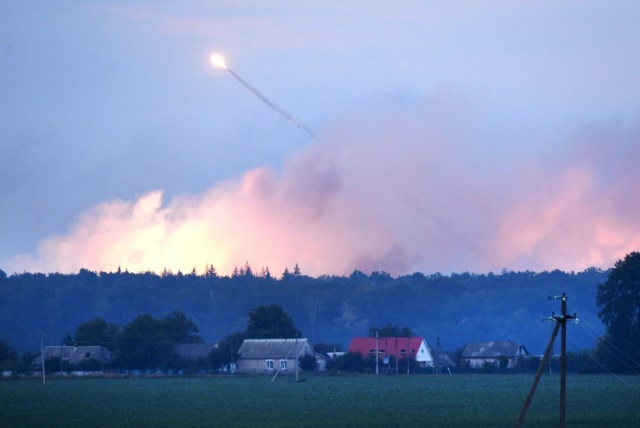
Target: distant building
[
  {"x": 398, "y": 347},
  {"x": 270, "y": 355},
  {"x": 335, "y": 354},
  {"x": 321, "y": 361},
  {"x": 87, "y": 358},
  {"x": 442, "y": 362},
  {"x": 194, "y": 351},
  {"x": 477, "y": 353}
]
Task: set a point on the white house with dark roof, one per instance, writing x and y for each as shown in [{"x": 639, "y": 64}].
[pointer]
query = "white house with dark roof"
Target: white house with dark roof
[
  {"x": 269, "y": 355},
  {"x": 477, "y": 353}
]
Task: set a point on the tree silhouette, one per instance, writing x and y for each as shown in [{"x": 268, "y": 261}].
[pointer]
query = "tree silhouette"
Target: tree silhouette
[
  {"x": 390, "y": 330},
  {"x": 149, "y": 343},
  {"x": 97, "y": 332},
  {"x": 619, "y": 302},
  {"x": 271, "y": 322}
]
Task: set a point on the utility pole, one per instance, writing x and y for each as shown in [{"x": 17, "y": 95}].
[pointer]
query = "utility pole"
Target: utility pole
[
  {"x": 377, "y": 353},
  {"x": 44, "y": 380},
  {"x": 560, "y": 323},
  {"x": 231, "y": 355},
  {"x": 297, "y": 356},
  {"x": 437, "y": 369},
  {"x": 406, "y": 354},
  {"x": 563, "y": 357},
  {"x": 397, "y": 356}
]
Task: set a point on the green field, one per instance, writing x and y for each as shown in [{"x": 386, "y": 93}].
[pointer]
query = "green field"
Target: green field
[{"x": 321, "y": 401}]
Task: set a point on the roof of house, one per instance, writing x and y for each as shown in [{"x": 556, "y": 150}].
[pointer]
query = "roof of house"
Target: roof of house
[
  {"x": 273, "y": 348},
  {"x": 76, "y": 354},
  {"x": 396, "y": 346},
  {"x": 493, "y": 350},
  {"x": 443, "y": 360},
  {"x": 193, "y": 351}
]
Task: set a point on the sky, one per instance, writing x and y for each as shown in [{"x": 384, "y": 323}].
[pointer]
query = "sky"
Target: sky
[{"x": 456, "y": 136}]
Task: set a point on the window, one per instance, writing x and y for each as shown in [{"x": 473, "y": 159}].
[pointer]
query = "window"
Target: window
[
  {"x": 283, "y": 364},
  {"x": 269, "y": 364}
]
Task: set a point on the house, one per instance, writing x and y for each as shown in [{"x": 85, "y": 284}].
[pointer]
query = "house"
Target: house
[
  {"x": 193, "y": 357},
  {"x": 398, "y": 347},
  {"x": 442, "y": 362},
  {"x": 335, "y": 354},
  {"x": 270, "y": 355},
  {"x": 321, "y": 361},
  {"x": 194, "y": 351},
  {"x": 476, "y": 354},
  {"x": 87, "y": 358}
]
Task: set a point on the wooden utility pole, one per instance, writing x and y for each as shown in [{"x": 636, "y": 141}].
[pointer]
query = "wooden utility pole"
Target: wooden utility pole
[
  {"x": 377, "y": 353},
  {"x": 406, "y": 354},
  {"x": 563, "y": 357},
  {"x": 532, "y": 391},
  {"x": 560, "y": 322},
  {"x": 44, "y": 379}
]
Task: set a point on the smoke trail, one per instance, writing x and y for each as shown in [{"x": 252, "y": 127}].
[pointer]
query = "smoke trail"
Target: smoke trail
[{"x": 273, "y": 105}]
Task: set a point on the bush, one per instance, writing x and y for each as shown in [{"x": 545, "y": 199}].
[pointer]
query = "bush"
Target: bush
[
  {"x": 308, "y": 362},
  {"x": 349, "y": 362},
  {"x": 90, "y": 365},
  {"x": 489, "y": 367}
]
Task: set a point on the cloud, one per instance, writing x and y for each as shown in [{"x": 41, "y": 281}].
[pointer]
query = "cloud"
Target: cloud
[
  {"x": 578, "y": 210},
  {"x": 404, "y": 185}
]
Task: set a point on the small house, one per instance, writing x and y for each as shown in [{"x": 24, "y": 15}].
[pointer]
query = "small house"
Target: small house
[
  {"x": 476, "y": 354},
  {"x": 442, "y": 362},
  {"x": 192, "y": 352},
  {"x": 321, "y": 361},
  {"x": 270, "y": 355},
  {"x": 84, "y": 358}
]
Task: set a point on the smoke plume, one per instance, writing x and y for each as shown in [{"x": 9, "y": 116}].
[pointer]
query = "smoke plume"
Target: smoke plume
[{"x": 411, "y": 187}]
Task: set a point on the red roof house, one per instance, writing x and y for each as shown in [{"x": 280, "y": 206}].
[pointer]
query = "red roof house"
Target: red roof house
[{"x": 398, "y": 347}]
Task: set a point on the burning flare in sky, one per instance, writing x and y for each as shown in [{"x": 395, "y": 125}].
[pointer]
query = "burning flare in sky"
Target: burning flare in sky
[{"x": 218, "y": 61}]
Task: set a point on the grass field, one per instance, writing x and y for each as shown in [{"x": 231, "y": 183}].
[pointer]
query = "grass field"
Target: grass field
[{"x": 321, "y": 401}]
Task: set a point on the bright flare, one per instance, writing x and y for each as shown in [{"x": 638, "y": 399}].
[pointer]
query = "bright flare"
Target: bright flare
[{"x": 218, "y": 61}]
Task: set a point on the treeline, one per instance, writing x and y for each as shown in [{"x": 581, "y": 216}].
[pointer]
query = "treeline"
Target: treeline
[
  {"x": 145, "y": 343},
  {"x": 448, "y": 310},
  {"x": 169, "y": 345}
]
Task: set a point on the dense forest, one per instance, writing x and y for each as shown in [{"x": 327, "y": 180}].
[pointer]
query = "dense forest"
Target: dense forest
[{"x": 448, "y": 310}]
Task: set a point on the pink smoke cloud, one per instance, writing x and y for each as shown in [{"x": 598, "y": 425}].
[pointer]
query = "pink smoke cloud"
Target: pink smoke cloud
[
  {"x": 399, "y": 189},
  {"x": 582, "y": 212}
]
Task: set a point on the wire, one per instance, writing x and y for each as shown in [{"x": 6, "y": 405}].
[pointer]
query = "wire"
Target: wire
[
  {"x": 613, "y": 350},
  {"x": 599, "y": 363}
]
